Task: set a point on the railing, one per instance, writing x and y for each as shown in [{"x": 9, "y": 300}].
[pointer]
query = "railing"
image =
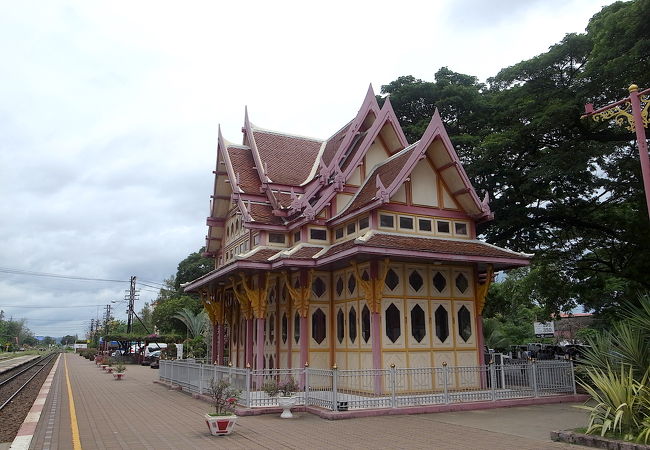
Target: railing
[{"x": 342, "y": 390}]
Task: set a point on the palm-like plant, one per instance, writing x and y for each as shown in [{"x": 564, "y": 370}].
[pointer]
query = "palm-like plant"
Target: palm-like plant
[
  {"x": 492, "y": 334},
  {"x": 621, "y": 401},
  {"x": 195, "y": 323}
]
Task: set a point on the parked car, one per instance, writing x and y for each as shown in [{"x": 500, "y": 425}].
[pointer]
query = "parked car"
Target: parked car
[{"x": 154, "y": 358}]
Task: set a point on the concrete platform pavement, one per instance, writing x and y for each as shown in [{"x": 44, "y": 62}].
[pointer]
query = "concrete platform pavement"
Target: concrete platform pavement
[
  {"x": 136, "y": 413},
  {"x": 10, "y": 363}
]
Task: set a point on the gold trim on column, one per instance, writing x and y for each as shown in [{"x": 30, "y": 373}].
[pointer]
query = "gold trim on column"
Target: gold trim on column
[
  {"x": 256, "y": 297},
  {"x": 482, "y": 290},
  {"x": 373, "y": 288},
  {"x": 242, "y": 298},
  {"x": 299, "y": 296}
]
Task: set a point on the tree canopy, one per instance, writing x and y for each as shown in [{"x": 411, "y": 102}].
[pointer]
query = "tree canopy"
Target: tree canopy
[{"x": 568, "y": 190}]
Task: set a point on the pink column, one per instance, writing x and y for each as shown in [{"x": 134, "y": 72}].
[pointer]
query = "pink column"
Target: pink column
[
  {"x": 375, "y": 325},
  {"x": 481, "y": 343},
  {"x": 249, "y": 343},
  {"x": 304, "y": 341},
  {"x": 214, "y": 342},
  {"x": 220, "y": 344},
  {"x": 259, "y": 357},
  {"x": 641, "y": 142}
]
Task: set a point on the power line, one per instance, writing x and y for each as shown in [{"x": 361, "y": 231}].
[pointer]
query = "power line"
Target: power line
[
  {"x": 43, "y": 307},
  {"x": 55, "y": 275}
]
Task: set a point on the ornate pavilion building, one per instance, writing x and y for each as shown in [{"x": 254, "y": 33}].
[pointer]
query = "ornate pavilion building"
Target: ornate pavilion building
[{"x": 359, "y": 250}]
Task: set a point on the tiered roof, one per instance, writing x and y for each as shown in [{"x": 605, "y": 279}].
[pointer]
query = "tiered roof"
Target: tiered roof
[{"x": 280, "y": 182}]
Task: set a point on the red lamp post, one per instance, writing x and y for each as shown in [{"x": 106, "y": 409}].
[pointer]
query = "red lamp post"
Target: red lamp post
[{"x": 634, "y": 110}]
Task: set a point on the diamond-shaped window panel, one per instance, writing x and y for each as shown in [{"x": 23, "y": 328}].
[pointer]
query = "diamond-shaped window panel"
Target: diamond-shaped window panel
[
  {"x": 285, "y": 328},
  {"x": 365, "y": 276},
  {"x": 296, "y": 327},
  {"x": 393, "y": 325},
  {"x": 441, "y": 317},
  {"x": 461, "y": 283},
  {"x": 272, "y": 329},
  {"x": 352, "y": 284},
  {"x": 392, "y": 280},
  {"x": 464, "y": 323},
  {"x": 439, "y": 282},
  {"x": 416, "y": 281},
  {"x": 339, "y": 286},
  {"x": 365, "y": 323},
  {"x": 352, "y": 321},
  {"x": 418, "y": 323},
  {"x": 318, "y": 287},
  {"x": 318, "y": 325},
  {"x": 340, "y": 326}
]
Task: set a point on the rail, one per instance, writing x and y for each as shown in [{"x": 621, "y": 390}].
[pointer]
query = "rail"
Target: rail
[{"x": 43, "y": 362}]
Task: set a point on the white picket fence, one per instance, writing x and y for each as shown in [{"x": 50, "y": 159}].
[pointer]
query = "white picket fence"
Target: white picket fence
[{"x": 383, "y": 388}]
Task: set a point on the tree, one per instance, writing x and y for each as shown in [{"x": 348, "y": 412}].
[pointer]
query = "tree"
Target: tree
[
  {"x": 68, "y": 339},
  {"x": 195, "y": 322},
  {"x": 193, "y": 267},
  {"x": 163, "y": 315},
  {"x": 568, "y": 190},
  {"x": 48, "y": 340}
]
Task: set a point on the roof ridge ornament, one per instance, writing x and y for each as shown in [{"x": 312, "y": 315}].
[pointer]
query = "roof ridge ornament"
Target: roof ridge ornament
[{"x": 382, "y": 192}]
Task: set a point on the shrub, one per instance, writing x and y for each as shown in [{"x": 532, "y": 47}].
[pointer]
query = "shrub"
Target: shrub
[{"x": 223, "y": 397}]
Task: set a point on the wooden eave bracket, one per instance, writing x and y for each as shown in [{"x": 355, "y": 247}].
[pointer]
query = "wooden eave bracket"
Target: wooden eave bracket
[
  {"x": 373, "y": 288},
  {"x": 483, "y": 289},
  {"x": 299, "y": 296}
]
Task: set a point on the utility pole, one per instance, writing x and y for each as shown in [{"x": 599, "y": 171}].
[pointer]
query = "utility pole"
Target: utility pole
[
  {"x": 107, "y": 318},
  {"x": 634, "y": 110},
  {"x": 131, "y": 298}
]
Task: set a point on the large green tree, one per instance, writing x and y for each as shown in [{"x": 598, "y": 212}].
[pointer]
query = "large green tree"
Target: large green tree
[{"x": 568, "y": 190}]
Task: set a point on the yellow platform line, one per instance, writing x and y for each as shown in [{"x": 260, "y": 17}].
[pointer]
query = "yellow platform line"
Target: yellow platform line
[{"x": 76, "y": 442}]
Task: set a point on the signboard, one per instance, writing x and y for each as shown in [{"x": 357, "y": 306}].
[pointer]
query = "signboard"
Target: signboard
[{"x": 544, "y": 329}]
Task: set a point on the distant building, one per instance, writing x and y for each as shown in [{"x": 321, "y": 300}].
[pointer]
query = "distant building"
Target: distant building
[
  {"x": 567, "y": 327},
  {"x": 359, "y": 250}
]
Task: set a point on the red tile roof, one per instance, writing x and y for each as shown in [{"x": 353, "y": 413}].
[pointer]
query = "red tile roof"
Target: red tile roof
[
  {"x": 333, "y": 144},
  {"x": 448, "y": 246},
  {"x": 387, "y": 172},
  {"x": 288, "y": 159},
  {"x": 263, "y": 214},
  {"x": 243, "y": 164},
  {"x": 261, "y": 255}
]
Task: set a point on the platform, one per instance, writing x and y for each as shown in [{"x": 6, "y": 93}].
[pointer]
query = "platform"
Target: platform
[
  {"x": 8, "y": 364},
  {"x": 136, "y": 413}
]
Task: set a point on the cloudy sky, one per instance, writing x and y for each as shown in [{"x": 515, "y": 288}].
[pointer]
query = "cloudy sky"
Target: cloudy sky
[{"x": 109, "y": 115}]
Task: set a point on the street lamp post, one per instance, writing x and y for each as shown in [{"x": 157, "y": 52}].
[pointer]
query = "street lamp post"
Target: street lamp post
[{"x": 634, "y": 110}]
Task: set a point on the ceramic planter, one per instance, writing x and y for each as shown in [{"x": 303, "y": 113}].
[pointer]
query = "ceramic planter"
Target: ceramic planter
[
  {"x": 119, "y": 376},
  {"x": 220, "y": 425},
  {"x": 286, "y": 403},
  {"x": 109, "y": 369}
]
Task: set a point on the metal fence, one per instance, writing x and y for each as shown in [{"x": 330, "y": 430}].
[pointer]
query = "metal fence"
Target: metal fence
[{"x": 342, "y": 390}]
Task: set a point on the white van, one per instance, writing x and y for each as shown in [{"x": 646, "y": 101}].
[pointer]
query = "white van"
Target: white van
[{"x": 153, "y": 347}]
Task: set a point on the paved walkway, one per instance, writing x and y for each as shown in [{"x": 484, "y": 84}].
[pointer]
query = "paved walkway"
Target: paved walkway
[{"x": 136, "y": 413}]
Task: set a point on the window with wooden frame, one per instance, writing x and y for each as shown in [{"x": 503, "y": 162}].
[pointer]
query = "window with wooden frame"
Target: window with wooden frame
[
  {"x": 318, "y": 234},
  {"x": 387, "y": 221}
]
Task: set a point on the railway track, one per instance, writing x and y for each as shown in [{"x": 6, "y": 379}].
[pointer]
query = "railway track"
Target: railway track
[
  {"x": 16, "y": 382},
  {"x": 18, "y": 390}
]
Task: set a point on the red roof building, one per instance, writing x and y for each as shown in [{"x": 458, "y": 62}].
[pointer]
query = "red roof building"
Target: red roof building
[{"x": 358, "y": 251}]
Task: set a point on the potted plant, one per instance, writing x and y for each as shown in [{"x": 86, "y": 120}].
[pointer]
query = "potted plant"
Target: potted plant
[
  {"x": 285, "y": 391},
  {"x": 109, "y": 365},
  {"x": 118, "y": 374},
  {"x": 223, "y": 398}
]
